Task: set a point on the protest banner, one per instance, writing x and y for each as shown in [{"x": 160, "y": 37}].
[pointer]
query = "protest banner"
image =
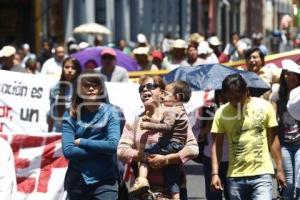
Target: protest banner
[{"x": 24, "y": 102}]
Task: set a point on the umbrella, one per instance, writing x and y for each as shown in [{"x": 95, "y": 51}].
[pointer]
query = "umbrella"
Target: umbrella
[
  {"x": 93, "y": 53},
  {"x": 211, "y": 76},
  {"x": 92, "y": 28}
]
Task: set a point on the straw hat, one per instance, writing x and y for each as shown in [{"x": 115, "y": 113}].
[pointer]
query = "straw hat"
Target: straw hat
[
  {"x": 290, "y": 65},
  {"x": 7, "y": 51},
  {"x": 179, "y": 44}
]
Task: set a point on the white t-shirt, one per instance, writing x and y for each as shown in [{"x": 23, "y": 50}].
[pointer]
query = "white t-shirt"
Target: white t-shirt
[
  {"x": 293, "y": 105},
  {"x": 52, "y": 67}
]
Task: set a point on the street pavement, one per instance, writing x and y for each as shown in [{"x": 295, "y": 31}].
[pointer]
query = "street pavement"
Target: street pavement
[
  {"x": 196, "y": 184},
  {"x": 195, "y": 180}
]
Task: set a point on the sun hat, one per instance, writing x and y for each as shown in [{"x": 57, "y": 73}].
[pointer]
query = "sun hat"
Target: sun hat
[
  {"x": 290, "y": 65},
  {"x": 179, "y": 44},
  {"x": 141, "y": 51},
  {"x": 203, "y": 48},
  {"x": 7, "y": 51},
  {"x": 214, "y": 40},
  {"x": 196, "y": 37}
]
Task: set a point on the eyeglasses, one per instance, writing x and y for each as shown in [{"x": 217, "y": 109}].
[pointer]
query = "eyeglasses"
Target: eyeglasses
[{"x": 148, "y": 86}]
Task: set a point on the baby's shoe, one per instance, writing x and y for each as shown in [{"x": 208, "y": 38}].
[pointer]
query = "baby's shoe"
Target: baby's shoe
[{"x": 140, "y": 186}]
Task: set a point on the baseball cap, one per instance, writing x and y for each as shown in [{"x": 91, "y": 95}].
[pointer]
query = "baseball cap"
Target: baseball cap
[
  {"x": 290, "y": 65},
  {"x": 108, "y": 51},
  {"x": 157, "y": 54},
  {"x": 141, "y": 38},
  {"x": 26, "y": 46}
]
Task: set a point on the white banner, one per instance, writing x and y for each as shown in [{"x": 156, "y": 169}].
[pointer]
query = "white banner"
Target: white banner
[{"x": 24, "y": 103}]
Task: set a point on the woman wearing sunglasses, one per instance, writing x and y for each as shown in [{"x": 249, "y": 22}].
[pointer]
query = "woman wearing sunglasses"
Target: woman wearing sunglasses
[{"x": 134, "y": 140}]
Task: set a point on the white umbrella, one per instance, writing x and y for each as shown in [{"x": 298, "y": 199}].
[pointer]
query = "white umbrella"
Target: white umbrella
[{"x": 92, "y": 28}]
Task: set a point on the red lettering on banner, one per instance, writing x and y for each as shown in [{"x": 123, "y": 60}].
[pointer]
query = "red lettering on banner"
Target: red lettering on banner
[
  {"x": 49, "y": 162},
  {"x": 25, "y": 184},
  {"x": 4, "y": 113}
]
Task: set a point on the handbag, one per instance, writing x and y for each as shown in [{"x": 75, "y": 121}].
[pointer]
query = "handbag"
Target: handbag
[{"x": 122, "y": 187}]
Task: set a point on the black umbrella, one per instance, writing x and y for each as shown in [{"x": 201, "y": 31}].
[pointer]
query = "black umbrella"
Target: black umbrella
[{"x": 210, "y": 77}]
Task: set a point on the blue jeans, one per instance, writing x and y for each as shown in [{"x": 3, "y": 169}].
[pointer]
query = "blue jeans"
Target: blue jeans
[
  {"x": 291, "y": 164},
  {"x": 251, "y": 187},
  {"x": 171, "y": 172},
  {"x": 77, "y": 189},
  {"x": 298, "y": 193}
]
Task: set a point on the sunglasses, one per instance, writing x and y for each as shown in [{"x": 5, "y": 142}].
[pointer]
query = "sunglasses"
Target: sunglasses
[{"x": 148, "y": 86}]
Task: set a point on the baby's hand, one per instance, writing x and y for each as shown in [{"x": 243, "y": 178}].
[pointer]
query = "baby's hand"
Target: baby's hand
[
  {"x": 142, "y": 125},
  {"x": 146, "y": 118}
]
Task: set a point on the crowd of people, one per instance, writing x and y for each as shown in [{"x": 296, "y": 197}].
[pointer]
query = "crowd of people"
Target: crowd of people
[
  {"x": 237, "y": 141},
  {"x": 168, "y": 54}
]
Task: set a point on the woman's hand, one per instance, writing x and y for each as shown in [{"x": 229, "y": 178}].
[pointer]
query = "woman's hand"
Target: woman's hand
[
  {"x": 156, "y": 161},
  {"x": 77, "y": 142},
  {"x": 129, "y": 127}
]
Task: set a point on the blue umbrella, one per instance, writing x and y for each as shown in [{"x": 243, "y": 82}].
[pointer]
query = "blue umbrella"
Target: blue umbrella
[
  {"x": 211, "y": 76},
  {"x": 122, "y": 59}
]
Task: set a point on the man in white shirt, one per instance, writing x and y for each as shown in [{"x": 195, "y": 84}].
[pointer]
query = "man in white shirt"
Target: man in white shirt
[
  {"x": 53, "y": 65},
  {"x": 8, "y": 186}
]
